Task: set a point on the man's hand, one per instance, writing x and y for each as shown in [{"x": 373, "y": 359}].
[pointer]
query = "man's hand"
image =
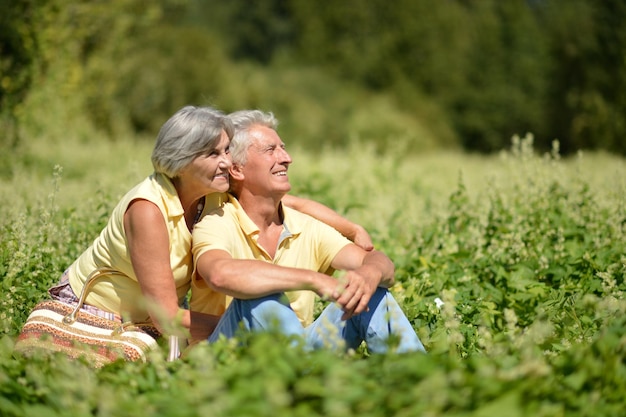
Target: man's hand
[
  {"x": 365, "y": 271},
  {"x": 327, "y": 287},
  {"x": 358, "y": 287}
]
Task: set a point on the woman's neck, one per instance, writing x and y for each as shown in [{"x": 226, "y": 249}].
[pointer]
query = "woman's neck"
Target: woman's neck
[{"x": 191, "y": 201}]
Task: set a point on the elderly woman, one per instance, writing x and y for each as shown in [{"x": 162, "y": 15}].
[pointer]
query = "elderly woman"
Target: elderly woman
[{"x": 146, "y": 245}]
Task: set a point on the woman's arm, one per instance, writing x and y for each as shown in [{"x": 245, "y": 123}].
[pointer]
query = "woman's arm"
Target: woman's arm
[
  {"x": 352, "y": 231},
  {"x": 148, "y": 245}
]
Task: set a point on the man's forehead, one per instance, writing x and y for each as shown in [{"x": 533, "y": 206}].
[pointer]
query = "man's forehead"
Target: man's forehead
[{"x": 263, "y": 136}]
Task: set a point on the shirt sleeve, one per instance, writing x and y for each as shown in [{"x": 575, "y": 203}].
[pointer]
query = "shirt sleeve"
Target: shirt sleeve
[{"x": 215, "y": 231}]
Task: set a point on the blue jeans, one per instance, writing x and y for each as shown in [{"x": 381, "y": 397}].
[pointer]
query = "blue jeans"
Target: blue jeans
[{"x": 384, "y": 319}]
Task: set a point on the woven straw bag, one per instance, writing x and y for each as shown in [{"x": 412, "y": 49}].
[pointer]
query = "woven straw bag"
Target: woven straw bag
[{"x": 59, "y": 327}]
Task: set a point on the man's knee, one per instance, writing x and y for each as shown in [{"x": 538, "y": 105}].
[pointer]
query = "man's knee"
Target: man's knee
[{"x": 269, "y": 313}]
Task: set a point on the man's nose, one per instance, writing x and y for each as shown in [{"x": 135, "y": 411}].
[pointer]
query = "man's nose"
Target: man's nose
[{"x": 284, "y": 157}]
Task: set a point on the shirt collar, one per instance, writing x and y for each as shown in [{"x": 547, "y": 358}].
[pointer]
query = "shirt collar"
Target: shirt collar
[{"x": 290, "y": 228}]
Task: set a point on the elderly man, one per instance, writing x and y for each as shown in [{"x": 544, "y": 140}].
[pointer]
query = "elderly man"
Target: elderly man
[{"x": 273, "y": 261}]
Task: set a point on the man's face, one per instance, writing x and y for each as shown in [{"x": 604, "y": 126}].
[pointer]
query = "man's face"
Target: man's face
[{"x": 265, "y": 172}]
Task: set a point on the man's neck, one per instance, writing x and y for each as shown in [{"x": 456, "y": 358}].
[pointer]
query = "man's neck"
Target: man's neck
[
  {"x": 266, "y": 214},
  {"x": 264, "y": 211}
]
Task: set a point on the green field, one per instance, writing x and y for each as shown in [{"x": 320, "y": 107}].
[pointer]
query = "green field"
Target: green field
[{"x": 527, "y": 251}]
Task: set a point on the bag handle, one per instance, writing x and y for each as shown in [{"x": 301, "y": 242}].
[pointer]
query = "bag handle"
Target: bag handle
[
  {"x": 174, "y": 348},
  {"x": 91, "y": 279}
]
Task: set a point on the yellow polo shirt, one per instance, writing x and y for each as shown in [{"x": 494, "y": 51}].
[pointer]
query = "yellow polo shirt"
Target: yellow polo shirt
[
  {"x": 305, "y": 243},
  {"x": 122, "y": 295}
]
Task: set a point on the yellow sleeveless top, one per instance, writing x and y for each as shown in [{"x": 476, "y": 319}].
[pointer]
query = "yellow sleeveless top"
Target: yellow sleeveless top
[{"x": 119, "y": 294}]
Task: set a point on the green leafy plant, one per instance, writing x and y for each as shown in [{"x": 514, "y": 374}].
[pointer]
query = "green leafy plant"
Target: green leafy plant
[{"x": 511, "y": 269}]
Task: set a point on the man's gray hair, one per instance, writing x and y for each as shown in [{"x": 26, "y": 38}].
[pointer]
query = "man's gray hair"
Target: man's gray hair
[
  {"x": 242, "y": 121},
  {"x": 190, "y": 132}
]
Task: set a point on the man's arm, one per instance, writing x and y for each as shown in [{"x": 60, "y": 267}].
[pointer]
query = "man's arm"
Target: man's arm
[
  {"x": 247, "y": 279},
  {"x": 354, "y": 232}
]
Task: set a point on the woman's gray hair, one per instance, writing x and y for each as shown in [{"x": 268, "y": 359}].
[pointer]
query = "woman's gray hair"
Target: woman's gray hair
[
  {"x": 190, "y": 132},
  {"x": 242, "y": 121}
]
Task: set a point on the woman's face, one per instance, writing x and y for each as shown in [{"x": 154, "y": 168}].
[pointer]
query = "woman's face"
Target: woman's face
[{"x": 209, "y": 171}]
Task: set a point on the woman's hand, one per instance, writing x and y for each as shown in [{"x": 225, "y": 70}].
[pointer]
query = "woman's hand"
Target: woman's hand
[{"x": 361, "y": 238}]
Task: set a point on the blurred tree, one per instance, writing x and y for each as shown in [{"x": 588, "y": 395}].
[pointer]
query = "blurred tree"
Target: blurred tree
[
  {"x": 250, "y": 30},
  {"x": 164, "y": 69},
  {"x": 505, "y": 76},
  {"x": 74, "y": 51},
  {"x": 484, "y": 61},
  {"x": 107, "y": 34},
  {"x": 587, "y": 105},
  {"x": 484, "y": 69},
  {"x": 551, "y": 67},
  {"x": 17, "y": 54}
]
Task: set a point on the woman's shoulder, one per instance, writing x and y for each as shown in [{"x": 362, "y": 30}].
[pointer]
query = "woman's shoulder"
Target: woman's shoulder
[
  {"x": 150, "y": 189},
  {"x": 154, "y": 188}
]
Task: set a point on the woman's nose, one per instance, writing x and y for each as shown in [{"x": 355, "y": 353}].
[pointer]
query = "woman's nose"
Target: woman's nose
[{"x": 226, "y": 161}]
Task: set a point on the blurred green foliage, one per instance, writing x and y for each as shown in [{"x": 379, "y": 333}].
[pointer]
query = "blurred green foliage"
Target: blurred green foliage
[{"x": 437, "y": 74}]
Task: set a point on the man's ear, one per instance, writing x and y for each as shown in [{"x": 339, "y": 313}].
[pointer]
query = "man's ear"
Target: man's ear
[{"x": 236, "y": 172}]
